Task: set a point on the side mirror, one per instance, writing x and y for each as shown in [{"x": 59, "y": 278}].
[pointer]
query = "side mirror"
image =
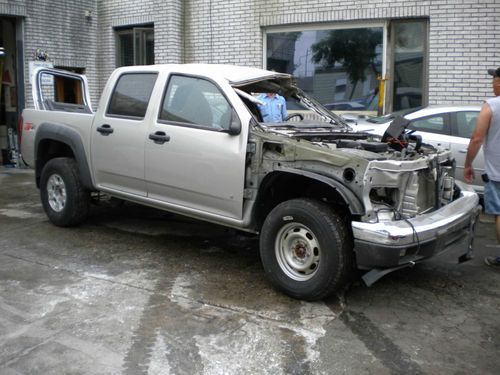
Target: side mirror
[{"x": 235, "y": 124}]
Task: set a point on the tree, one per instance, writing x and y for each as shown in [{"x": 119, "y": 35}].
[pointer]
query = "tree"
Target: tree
[{"x": 354, "y": 49}]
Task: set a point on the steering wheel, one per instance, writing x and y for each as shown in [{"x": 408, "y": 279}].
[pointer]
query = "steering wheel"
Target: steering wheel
[{"x": 287, "y": 118}]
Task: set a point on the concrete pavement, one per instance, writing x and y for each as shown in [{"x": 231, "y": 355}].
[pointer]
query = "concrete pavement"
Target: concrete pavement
[{"x": 140, "y": 291}]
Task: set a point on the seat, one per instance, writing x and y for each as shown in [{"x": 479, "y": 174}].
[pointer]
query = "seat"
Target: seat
[{"x": 189, "y": 105}]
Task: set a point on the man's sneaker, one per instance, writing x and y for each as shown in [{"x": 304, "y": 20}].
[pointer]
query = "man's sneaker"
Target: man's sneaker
[{"x": 492, "y": 261}]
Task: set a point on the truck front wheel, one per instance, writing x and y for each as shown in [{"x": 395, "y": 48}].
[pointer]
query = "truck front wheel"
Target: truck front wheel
[
  {"x": 305, "y": 249},
  {"x": 64, "y": 199}
]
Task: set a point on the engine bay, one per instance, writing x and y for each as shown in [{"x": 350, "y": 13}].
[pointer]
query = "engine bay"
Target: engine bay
[{"x": 400, "y": 146}]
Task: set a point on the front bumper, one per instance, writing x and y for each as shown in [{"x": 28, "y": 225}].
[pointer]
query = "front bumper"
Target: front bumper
[{"x": 394, "y": 243}]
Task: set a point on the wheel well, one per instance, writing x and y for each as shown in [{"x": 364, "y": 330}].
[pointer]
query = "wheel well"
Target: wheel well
[
  {"x": 279, "y": 187},
  {"x": 49, "y": 149}
]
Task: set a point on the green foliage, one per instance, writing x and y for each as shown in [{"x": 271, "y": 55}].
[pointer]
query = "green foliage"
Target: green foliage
[{"x": 355, "y": 49}]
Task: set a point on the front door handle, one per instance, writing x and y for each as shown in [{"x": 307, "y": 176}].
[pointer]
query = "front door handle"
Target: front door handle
[
  {"x": 159, "y": 137},
  {"x": 105, "y": 129}
]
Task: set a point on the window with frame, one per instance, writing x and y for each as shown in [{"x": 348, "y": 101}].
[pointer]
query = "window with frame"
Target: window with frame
[
  {"x": 135, "y": 46},
  {"x": 465, "y": 123},
  {"x": 339, "y": 67},
  {"x": 130, "y": 97},
  {"x": 409, "y": 46},
  {"x": 433, "y": 124},
  {"x": 195, "y": 102}
]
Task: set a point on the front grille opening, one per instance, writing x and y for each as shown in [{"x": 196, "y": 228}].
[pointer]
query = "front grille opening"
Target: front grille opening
[{"x": 385, "y": 196}]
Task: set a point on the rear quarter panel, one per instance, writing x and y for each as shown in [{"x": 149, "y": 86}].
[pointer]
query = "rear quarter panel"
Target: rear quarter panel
[{"x": 33, "y": 118}]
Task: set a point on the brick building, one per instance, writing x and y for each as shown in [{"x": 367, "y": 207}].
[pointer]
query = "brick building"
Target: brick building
[{"x": 430, "y": 51}]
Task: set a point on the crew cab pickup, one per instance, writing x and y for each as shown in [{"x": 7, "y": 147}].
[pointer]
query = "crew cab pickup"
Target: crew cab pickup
[{"x": 190, "y": 139}]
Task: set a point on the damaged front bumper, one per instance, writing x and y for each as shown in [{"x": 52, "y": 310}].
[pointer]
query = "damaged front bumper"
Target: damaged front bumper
[{"x": 395, "y": 244}]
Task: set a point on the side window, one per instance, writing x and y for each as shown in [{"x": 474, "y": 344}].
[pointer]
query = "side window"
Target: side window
[
  {"x": 195, "y": 101},
  {"x": 466, "y": 122},
  {"x": 131, "y": 95},
  {"x": 434, "y": 124}
]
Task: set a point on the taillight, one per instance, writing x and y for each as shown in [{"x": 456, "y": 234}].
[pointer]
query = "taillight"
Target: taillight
[{"x": 19, "y": 132}]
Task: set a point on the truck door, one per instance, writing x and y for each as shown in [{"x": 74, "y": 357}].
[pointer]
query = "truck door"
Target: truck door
[
  {"x": 192, "y": 161},
  {"x": 119, "y": 133}
]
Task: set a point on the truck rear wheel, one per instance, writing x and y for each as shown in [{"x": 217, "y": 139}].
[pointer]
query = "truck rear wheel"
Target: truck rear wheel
[
  {"x": 64, "y": 199},
  {"x": 305, "y": 249}
]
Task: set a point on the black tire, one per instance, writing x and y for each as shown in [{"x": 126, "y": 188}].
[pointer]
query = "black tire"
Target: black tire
[
  {"x": 305, "y": 249},
  {"x": 65, "y": 201}
]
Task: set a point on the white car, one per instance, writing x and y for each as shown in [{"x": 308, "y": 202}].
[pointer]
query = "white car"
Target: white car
[{"x": 442, "y": 126}]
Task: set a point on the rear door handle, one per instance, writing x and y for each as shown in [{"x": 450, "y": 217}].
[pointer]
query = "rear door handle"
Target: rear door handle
[
  {"x": 159, "y": 137},
  {"x": 463, "y": 151},
  {"x": 105, "y": 129}
]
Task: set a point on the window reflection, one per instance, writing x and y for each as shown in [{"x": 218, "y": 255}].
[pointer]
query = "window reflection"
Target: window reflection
[
  {"x": 466, "y": 122},
  {"x": 408, "y": 64},
  {"x": 338, "y": 67},
  {"x": 433, "y": 124},
  {"x": 195, "y": 101},
  {"x": 131, "y": 95}
]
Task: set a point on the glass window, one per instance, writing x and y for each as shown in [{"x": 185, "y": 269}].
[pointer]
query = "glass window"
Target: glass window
[
  {"x": 125, "y": 49},
  {"x": 135, "y": 46},
  {"x": 339, "y": 67},
  {"x": 131, "y": 95},
  {"x": 434, "y": 124},
  {"x": 195, "y": 101},
  {"x": 466, "y": 122},
  {"x": 408, "y": 64},
  {"x": 62, "y": 91}
]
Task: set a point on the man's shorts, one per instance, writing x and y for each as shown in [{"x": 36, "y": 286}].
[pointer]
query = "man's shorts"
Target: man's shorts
[{"x": 492, "y": 197}]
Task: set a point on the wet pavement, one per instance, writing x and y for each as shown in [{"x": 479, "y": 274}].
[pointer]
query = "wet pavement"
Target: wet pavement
[{"x": 140, "y": 291}]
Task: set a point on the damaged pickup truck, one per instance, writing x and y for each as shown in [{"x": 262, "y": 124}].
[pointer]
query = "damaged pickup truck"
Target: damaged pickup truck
[{"x": 190, "y": 139}]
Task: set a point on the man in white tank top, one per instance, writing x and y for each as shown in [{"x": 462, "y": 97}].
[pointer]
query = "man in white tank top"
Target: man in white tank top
[{"x": 487, "y": 131}]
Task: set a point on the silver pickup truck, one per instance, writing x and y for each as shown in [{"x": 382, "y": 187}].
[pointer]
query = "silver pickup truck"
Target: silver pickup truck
[{"x": 190, "y": 139}]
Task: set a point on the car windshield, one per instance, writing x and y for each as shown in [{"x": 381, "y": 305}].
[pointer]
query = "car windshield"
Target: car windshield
[{"x": 391, "y": 116}]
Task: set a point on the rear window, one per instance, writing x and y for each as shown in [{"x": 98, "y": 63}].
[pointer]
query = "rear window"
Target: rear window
[{"x": 131, "y": 95}]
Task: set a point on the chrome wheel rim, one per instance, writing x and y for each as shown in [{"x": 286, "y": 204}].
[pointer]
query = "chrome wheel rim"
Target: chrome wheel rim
[
  {"x": 297, "y": 251},
  {"x": 56, "y": 193}
]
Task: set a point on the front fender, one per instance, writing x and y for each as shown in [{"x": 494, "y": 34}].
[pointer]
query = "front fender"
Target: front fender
[{"x": 355, "y": 205}]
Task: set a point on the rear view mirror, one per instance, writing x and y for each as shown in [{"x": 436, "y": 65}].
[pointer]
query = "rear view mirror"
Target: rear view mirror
[{"x": 235, "y": 124}]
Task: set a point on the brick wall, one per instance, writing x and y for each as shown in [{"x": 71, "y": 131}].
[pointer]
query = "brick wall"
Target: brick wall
[
  {"x": 223, "y": 32},
  {"x": 166, "y": 16},
  {"x": 463, "y": 34},
  {"x": 61, "y": 29},
  {"x": 463, "y": 40}
]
